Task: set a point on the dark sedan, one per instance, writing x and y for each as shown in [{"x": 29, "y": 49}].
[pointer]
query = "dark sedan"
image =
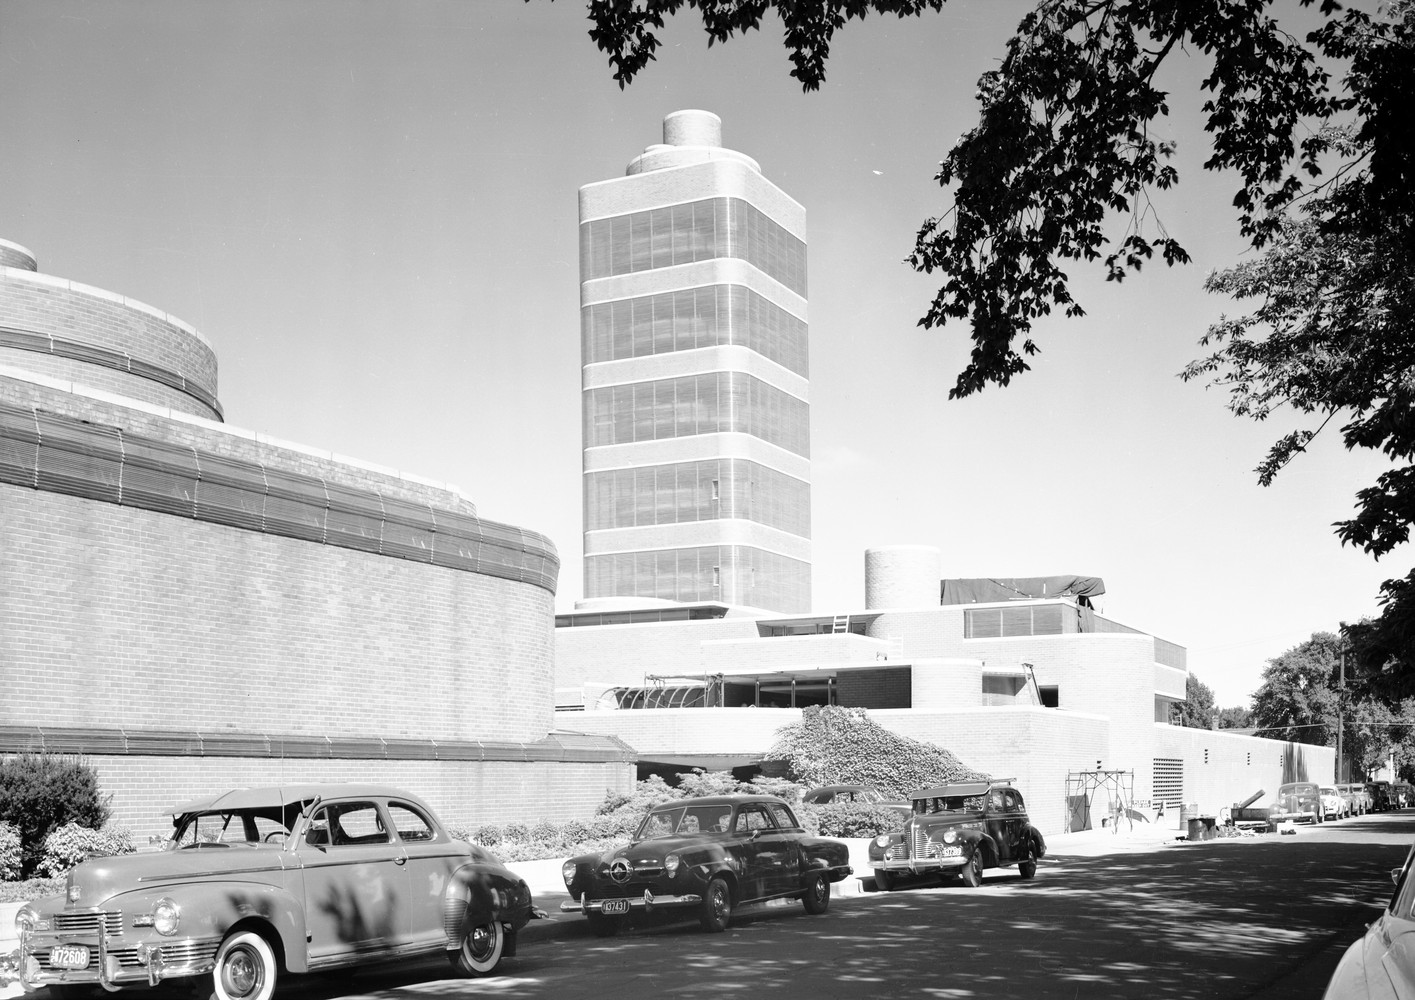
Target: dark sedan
[{"x": 709, "y": 855}]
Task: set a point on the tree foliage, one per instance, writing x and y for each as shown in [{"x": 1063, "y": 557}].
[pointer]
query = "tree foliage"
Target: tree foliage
[
  {"x": 1297, "y": 700},
  {"x": 833, "y": 745},
  {"x": 1198, "y": 710},
  {"x": 1063, "y": 150}
]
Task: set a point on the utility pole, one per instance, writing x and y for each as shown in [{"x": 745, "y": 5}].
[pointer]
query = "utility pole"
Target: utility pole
[{"x": 1340, "y": 699}]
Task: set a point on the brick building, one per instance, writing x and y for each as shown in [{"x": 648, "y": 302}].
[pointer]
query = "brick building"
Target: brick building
[
  {"x": 189, "y": 605},
  {"x": 1015, "y": 679}
]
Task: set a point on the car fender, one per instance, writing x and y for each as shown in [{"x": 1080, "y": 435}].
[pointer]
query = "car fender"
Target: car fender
[
  {"x": 878, "y": 853},
  {"x": 212, "y": 909},
  {"x": 977, "y": 840},
  {"x": 477, "y": 893},
  {"x": 1039, "y": 844}
]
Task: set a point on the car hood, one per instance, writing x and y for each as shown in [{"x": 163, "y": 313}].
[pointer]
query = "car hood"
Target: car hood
[
  {"x": 661, "y": 847},
  {"x": 1380, "y": 966},
  {"x": 98, "y": 879}
]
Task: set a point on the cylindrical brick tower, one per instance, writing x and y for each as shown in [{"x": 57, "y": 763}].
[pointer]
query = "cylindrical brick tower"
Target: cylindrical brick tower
[
  {"x": 902, "y": 576},
  {"x": 66, "y": 330}
]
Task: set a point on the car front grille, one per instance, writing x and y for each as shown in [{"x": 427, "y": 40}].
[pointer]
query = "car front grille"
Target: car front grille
[
  {"x": 88, "y": 923},
  {"x": 176, "y": 953},
  {"x": 920, "y": 845}
]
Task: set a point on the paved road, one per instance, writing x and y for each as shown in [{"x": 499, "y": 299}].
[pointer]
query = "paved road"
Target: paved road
[{"x": 1264, "y": 917}]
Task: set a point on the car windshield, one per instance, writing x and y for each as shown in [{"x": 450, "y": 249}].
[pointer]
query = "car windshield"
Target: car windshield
[
  {"x": 247, "y": 827},
  {"x": 676, "y": 821},
  {"x": 950, "y": 803}
]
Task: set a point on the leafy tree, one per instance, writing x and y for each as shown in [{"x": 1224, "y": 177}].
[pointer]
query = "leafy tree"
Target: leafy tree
[
  {"x": 39, "y": 793},
  {"x": 1297, "y": 700},
  {"x": 1198, "y": 710},
  {"x": 1063, "y": 149},
  {"x": 1236, "y": 717}
]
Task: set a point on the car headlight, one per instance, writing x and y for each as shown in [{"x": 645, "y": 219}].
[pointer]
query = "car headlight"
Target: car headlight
[
  {"x": 567, "y": 872},
  {"x": 882, "y": 840},
  {"x": 166, "y": 915},
  {"x": 950, "y": 836},
  {"x": 27, "y": 921},
  {"x": 670, "y": 865}
]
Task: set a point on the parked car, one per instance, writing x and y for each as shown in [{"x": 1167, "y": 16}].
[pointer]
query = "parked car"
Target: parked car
[
  {"x": 868, "y": 794},
  {"x": 963, "y": 828},
  {"x": 1402, "y": 795},
  {"x": 1381, "y": 963},
  {"x": 1380, "y": 795},
  {"x": 1333, "y": 805},
  {"x": 709, "y": 855},
  {"x": 1300, "y": 801},
  {"x": 259, "y": 881},
  {"x": 1356, "y": 797}
]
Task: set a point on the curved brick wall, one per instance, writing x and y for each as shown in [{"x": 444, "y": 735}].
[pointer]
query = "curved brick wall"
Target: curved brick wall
[
  {"x": 94, "y": 337},
  {"x": 14, "y": 255}
]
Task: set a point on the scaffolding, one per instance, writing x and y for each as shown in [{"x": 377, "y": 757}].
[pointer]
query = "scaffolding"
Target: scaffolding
[{"x": 1083, "y": 793}]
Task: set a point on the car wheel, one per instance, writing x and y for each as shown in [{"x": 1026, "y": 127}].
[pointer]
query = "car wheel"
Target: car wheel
[
  {"x": 972, "y": 872},
  {"x": 481, "y": 949},
  {"x": 716, "y": 911},
  {"x": 603, "y": 926},
  {"x": 816, "y": 898},
  {"x": 884, "y": 880},
  {"x": 245, "y": 968}
]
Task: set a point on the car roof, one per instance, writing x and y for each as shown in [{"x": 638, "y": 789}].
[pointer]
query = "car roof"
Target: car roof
[
  {"x": 964, "y": 788},
  {"x": 279, "y": 796},
  {"x": 720, "y": 800},
  {"x": 839, "y": 788}
]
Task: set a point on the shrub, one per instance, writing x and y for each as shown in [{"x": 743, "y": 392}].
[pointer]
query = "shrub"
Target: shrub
[
  {"x": 834, "y": 745},
  {"x": 488, "y": 836},
  {"x": 72, "y": 843},
  {"x": 855, "y": 819},
  {"x": 9, "y": 852},
  {"x": 40, "y": 793}
]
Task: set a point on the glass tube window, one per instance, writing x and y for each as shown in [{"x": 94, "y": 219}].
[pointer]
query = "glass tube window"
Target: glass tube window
[
  {"x": 690, "y": 318},
  {"x": 731, "y": 574},
  {"x": 693, "y": 231},
  {"x": 686, "y": 492},
  {"x": 711, "y": 403}
]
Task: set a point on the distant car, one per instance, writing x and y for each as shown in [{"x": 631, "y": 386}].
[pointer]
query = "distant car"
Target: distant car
[
  {"x": 706, "y": 855},
  {"x": 1381, "y": 963},
  {"x": 1300, "y": 801},
  {"x": 828, "y": 794},
  {"x": 960, "y": 828},
  {"x": 259, "y": 881},
  {"x": 1357, "y": 797},
  {"x": 1403, "y": 795},
  {"x": 1334, "y": 806},
  {"x": 1381, "y": 799}
]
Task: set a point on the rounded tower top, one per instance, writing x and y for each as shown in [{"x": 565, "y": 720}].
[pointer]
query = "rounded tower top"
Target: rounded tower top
[
  {"x": 692, "y": 128},
  {"x": 689, "y": 136}
]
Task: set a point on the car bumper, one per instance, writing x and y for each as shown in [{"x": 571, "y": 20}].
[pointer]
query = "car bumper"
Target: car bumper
[
  {"x": 626, "y": 904},
  {"x": 920, "y": 864},
  {"x": 114, "y": 964}
]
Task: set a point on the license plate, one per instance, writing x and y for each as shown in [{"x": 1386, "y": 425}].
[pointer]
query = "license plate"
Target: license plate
[
  {"x": 68, "y": 956},
  {"x": 615, "y": 906},
  {"x": 949, "y": 852}
]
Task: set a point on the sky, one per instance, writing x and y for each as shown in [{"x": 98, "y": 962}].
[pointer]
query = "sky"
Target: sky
[{"x": 369, "y": 210}]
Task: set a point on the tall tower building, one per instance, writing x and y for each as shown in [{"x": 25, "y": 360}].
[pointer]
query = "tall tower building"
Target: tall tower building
[{"x": 696, "y": 405}]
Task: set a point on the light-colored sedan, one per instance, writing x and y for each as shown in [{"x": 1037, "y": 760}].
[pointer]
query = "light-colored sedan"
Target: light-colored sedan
[
  {"x": 258, "y": 881},
  {"x": 1382, "y": 963},
  {"x": 1334, "y": 806}
]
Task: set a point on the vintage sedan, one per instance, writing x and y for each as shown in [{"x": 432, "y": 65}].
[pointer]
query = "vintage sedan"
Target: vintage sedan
[
  {"x": 1301, "y": 801},
  {"x": 863, "y": 794},
  {"x": 708, "y": 855},
  {"x": 1334, "y": 804},
  {"x": 1382, "y": 962},
  {"x": 259, "y": 881},
  {"x": 963, "y": 828}
]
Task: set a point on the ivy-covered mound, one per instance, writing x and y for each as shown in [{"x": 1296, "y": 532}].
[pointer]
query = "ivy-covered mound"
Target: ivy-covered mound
[{"x": 842, "y": 746}]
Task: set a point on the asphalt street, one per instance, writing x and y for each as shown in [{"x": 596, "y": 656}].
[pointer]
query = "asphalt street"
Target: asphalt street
[{"x": 1263, "y": 917}]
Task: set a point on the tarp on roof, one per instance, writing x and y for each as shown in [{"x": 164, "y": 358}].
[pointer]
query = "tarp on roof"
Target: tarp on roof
[{"x": 989, "y": 590}]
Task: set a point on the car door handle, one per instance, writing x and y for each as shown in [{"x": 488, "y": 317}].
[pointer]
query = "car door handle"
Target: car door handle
[{"x": 400, "y": 861}]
